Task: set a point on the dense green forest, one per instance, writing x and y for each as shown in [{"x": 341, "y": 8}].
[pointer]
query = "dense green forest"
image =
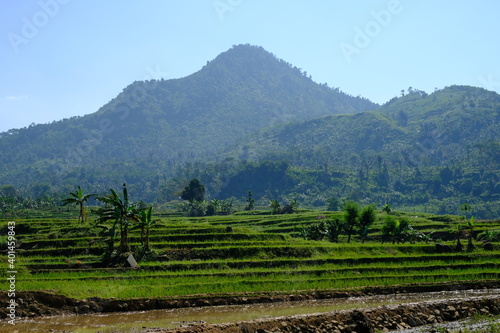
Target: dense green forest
[{"x": 250, "y": 121}]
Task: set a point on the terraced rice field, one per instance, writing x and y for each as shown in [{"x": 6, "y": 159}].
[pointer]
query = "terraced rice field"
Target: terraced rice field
[{"x": 262, "y": 253}]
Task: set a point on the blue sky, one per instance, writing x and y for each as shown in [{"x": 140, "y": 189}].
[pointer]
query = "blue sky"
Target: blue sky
[{"x": 62, "y": 58}]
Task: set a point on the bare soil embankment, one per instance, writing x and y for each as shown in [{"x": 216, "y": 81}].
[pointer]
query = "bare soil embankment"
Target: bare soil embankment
[
  {"x": 382, "y": 318},
  {"x": 40, "y": 303}
]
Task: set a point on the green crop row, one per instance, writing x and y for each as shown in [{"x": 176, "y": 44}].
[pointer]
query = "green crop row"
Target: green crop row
[
  {"x": 317, "y": 272},
  {"x": 148, "y": 287}
]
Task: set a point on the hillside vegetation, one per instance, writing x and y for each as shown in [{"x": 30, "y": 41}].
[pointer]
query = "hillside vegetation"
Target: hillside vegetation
[
  {"x": 154, "y": 127},
  {"x": 248, "y": 121},
  {"x": 426, "y": 152}
]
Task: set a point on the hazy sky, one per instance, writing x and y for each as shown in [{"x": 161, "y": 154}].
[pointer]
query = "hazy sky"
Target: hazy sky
[{"x": 61, "y": 58}]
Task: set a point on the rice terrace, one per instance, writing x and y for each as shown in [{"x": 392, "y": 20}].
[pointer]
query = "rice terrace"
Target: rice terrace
[
  {"x": 230, "y": 166},
  {"x": 67, "y": 264}
]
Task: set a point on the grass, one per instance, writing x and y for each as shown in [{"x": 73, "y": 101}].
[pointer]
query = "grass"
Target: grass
[
  {"x": 199, "y": 256},
  {"x": 185, "y": 285}
]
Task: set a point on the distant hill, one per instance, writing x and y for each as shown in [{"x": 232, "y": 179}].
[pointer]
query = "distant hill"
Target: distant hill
[
  {"x": 449, "y": 126},
  {"x": 432, "y": 151},
  {"x": 153, "y": 127}
]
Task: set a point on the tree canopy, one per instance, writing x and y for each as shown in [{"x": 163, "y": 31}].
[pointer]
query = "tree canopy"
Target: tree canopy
[{"x": 195, "y": 191}]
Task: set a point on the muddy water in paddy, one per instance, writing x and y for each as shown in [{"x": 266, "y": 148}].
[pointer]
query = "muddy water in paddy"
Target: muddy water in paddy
[{"x": 136, "y": 321}]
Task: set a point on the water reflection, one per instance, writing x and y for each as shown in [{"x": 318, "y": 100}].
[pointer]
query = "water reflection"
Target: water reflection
[{"x": 133, "y": 322}]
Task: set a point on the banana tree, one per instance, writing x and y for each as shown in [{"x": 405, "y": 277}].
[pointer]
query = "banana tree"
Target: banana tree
[
  {"x": 119, "y": 211},
  {"x": 351, "y": 218},
  {"x": 275, "y": 206},
  {"x": 469, "y": 229},
  {"x": 457, "y": 234},
  {"x": 465, "y": 208},
  {"x": 489, "y": 236},
  {"x": 367, "y": 217},
  {"x": 396, "y": 231},
  {"x": 145, "y": 223},
  {"x": 79, "y": 199}
]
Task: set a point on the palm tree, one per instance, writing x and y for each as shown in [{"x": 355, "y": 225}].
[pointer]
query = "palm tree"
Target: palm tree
[
  {"x": 387, "y": 208},
  {"x": 334, "y": 229},
  {"x": 275, "y": 205},
  {"x": 367, "y": 217},
  {"x": 465, "y": 208},
  {"x": 458, "y": 233},
  {"x": 213, "y": 207},
  {"x": 251, "y": 201},
  {"x": 489, "y": 236},
  {"x": 121, "y": 212},
  {"x": 469, "y": 229},
  {"x": 396, "y": 230},
  {"x": 294, "y": 204},
  {"x": 145, "y": 223},
  {"x": 79, "y": 198},
  {"x": 351, "y": 214}
]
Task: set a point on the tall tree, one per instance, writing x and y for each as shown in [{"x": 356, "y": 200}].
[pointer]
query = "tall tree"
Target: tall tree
[
  {"x": 79, "y": 198},
  {"x": 195, "y": 191},
  {"x": 250, "y": 201},
  {"x": 351, "y": 214},
  {"x": 367, "y": 217},
  {"x": 333, "y": 204}
]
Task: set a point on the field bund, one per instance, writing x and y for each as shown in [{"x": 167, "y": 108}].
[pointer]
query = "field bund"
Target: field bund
[{"x": 383, "y": 318}]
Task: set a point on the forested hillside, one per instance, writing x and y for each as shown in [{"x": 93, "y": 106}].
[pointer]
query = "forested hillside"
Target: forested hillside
[
  {"x": 154, "y": 127},
  {"x": 427, "y": 152},
  {"x": 250, "y": 121}
]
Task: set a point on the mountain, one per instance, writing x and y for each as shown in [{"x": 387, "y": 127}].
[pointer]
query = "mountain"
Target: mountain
[
  {"x": 154, "y": 127},
  {"x": 432, "y": 151},
  {"x": 250, "y": 121},
  {"x": 443, "y": 128}
]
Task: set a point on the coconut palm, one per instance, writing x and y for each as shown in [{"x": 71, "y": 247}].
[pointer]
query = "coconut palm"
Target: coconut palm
[{"x": 79, "y": 199}]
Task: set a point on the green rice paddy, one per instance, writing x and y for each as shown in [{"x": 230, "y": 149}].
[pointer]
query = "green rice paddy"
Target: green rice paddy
[{"x": 262, "y": 253}]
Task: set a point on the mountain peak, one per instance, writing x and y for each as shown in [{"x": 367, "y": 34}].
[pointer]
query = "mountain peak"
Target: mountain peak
[{"x": 245, "y": 61}]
